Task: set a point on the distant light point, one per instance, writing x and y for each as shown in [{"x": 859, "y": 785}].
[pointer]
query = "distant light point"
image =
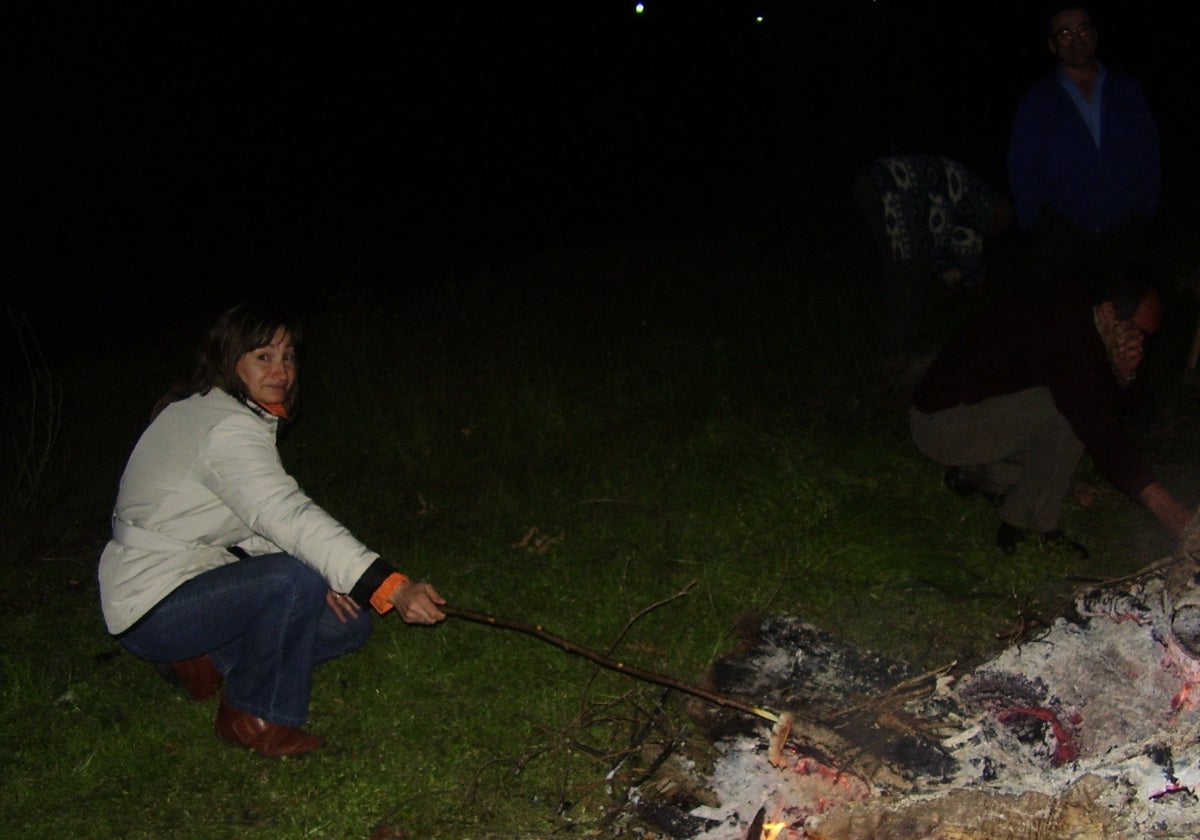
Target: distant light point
[{"x": 639, "y": 8}]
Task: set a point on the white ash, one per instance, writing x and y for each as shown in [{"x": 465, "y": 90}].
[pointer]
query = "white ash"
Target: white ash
[{"x": 1104, "y": 703}]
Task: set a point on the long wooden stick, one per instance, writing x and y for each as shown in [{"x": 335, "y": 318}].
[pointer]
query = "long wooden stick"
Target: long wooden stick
[{"x": 613, "y": 664}]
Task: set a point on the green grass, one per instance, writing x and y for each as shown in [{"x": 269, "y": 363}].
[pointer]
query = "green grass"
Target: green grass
[{"x": 691, "y": 424}]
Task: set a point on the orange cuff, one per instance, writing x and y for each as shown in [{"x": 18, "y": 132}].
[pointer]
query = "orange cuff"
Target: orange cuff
[{"x": 381, "y": 600}]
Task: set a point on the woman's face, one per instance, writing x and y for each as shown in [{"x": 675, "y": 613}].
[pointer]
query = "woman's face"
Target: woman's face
[{"x": 268, "y": 372}]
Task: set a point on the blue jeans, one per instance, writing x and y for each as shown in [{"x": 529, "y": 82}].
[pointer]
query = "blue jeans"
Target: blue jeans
[{"x": 265, "y": 624}]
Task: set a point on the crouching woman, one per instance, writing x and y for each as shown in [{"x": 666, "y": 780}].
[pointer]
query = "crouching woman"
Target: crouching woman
[{"x": 221, "y": 570}]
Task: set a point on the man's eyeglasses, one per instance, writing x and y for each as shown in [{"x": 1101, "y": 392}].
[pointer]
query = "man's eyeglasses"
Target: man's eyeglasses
[{"x": 1071, "y": 33}]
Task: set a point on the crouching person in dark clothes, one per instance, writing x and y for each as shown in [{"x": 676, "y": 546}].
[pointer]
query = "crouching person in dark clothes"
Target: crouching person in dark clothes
[
  {"x": 1016, "y": 398},
  {"x": 221, "y": 570},
  {"x": 929, "y": 217}
]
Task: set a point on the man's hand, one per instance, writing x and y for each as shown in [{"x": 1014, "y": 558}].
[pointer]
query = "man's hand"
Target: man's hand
[
  {"x": 1127, "y": 348},
  {"x": 417, "y": 602},
  {"x": 1173, "y": 516}
]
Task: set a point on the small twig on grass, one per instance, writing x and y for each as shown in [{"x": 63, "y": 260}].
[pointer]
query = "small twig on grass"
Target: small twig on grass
[
  {"x": 607, "y": 717},
  {"x": 625, "y": 630},
  {"x": 607, "y": 501},
  {"x": 472, "y": 794},
  {"x": 645, "y": 611},
  {"x": 1146, "y": 571}
]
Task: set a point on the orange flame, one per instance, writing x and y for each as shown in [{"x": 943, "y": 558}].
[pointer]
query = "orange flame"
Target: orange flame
[{"x": 773, "y": 830}]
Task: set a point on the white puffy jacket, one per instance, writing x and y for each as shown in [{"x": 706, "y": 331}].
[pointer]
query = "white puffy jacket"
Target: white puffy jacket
[{"x": 204, "y": 476}]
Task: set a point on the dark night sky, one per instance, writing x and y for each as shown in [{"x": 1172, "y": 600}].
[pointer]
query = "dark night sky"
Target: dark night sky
[{"x": 170, "y": 153}]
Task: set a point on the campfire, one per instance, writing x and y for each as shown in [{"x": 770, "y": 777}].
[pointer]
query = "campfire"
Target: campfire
[{"x": 1090, "y": 729}]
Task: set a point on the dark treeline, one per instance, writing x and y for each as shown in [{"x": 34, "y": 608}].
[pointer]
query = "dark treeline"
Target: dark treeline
[{"x": 169, "y": 151}]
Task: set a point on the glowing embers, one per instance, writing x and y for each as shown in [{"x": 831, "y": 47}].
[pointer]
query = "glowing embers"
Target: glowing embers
[{"x": 1183, "y": 645}]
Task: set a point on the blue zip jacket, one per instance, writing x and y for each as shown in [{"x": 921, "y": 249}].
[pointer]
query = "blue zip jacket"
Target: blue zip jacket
[{"x": 1052, "y": 159}]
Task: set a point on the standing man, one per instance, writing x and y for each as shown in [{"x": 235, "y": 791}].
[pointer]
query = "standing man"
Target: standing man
[
  {"x": 1083, "y": 159},
  {"x": 1016, "y": 398}
]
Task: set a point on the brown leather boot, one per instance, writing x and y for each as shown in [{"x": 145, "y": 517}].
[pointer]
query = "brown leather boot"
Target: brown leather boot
[
  {"x": 199, "y": 677},
  {"x": 262, "y": 736}
]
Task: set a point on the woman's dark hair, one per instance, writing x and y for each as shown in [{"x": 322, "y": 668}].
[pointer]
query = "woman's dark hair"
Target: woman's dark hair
[{"x": 239, "y": 330}]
